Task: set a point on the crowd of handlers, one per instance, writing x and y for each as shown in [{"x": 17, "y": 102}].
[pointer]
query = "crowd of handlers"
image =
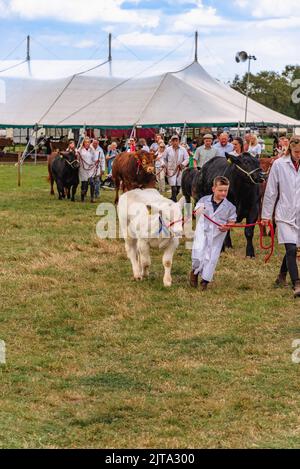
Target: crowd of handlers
[{"x": 159, "y": 162}]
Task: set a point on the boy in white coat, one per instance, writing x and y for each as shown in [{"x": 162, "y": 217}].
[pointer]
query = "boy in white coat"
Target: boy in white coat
[
  {"x": 209, "y": 238},
  {"x": 284, "y": 181}
]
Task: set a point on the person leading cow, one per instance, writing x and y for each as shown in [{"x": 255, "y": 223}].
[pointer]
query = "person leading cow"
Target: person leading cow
[
  {"x": 176, "y": 159},
  {"x": 88, "y": 169},
  {"x": 284, "y": 182}
]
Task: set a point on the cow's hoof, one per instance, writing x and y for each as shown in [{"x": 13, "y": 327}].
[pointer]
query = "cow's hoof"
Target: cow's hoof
[{"x": 167, "y": 283}]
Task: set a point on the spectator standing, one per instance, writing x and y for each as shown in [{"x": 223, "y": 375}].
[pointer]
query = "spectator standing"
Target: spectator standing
[
  {"x": 155, "y": 145},
  {"x": 111, "y": 155},
  {"x": 254, "y": 147},
  {"x": 238, "y": 146},
  {"x": 206, "y": 152},
  {"x": 100, "y": 161},
  {"x": 223, "y": 146}
]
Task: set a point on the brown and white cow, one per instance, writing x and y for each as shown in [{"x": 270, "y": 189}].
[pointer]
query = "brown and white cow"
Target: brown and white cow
[{"x": 133, "y": 170}]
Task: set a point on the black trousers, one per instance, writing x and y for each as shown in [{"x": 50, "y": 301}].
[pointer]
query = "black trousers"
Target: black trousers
[
  {"x": 175, "y": 191},
  {"x": 289, "y": 263},
  {"x": 84, "y": 188}
]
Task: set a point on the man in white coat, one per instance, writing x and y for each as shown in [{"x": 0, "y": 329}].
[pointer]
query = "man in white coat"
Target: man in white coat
[
  {"x": 284, "y": 181},
  {"x": 88, "y": 169},
  {"x": 209, "y": 238},
  {"x": 176, "y": 159}
]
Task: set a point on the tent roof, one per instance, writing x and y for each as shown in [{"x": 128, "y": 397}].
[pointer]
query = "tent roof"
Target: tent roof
[{"x": 189, "y": 96}]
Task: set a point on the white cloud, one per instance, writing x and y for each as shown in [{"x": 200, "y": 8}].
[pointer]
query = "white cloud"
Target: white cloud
[
  {"x": 65, "y": 40},
  {"x": 270, "y": 8},
  {"x": 79, "y": 11},
  {"x": 160, "y": 41},
  {"x": 279, "y": 23},
  {"x": 196, "y": 17},
  {"x": 4, "y": 9}
]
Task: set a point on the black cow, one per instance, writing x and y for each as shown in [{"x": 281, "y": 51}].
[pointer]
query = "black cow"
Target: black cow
[
  {"x": 65, "y": 172},
  {"x": 189, "y": 182},
  {"x": 245, "y": 176}
]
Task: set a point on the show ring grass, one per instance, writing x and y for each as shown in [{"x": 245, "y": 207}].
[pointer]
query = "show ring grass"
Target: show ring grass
[{"x": 96, "y": 360}]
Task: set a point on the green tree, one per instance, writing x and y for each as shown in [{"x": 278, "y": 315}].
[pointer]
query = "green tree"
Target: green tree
[{"x": 272, "y": 89}]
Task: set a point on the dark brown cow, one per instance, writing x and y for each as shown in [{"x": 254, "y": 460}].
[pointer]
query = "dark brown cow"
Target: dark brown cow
[
  {"x": 50, "y": 159},
  {"x": 134, "y": 170}
]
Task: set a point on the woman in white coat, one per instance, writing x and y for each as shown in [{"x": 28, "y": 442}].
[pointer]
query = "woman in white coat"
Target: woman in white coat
[
  {"x": 88, "y": 169},
  {"x": 176, "y": 159},
  {"x": 284, "y": 182}
]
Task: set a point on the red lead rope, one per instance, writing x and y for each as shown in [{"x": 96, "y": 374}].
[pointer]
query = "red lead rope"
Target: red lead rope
[{"x": 259, "y": 223}]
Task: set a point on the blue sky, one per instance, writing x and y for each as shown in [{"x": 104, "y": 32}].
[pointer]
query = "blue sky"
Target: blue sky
[{"x": 148, "y": 30}]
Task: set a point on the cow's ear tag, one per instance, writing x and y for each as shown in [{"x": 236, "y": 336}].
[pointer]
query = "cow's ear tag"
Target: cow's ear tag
[{"x": 229, "y": 161}]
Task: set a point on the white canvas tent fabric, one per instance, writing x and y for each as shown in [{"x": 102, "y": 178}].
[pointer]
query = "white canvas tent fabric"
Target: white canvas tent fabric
[{"x": 188, "y": 96}]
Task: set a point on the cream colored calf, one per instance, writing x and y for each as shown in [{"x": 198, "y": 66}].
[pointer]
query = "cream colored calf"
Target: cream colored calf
[{"x": 145, "y": 217}]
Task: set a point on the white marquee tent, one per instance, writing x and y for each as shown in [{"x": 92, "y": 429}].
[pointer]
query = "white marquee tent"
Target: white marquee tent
[{"x": 189, "y": 96}]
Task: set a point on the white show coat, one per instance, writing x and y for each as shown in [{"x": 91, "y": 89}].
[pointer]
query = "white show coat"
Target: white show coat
[
  {"x": 284, "y": 181},
  {"x": 173, "y": 158},
  {"x": 88, "y": 167},
  {"x": 99, "y": 155},
  {"x": 208, "y": 240}
]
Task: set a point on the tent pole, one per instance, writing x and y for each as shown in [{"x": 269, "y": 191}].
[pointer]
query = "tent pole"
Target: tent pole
[
  {"x": 183, "y": 133},
  {"x": 28, "y": 49},
  {"x": 196, "y": 46},
  {"x": 109, "y": 54},
  {"x": 36, "y": 145},
  {"x": 19, "y": 169},
  {"x": 109, "y": 48}
]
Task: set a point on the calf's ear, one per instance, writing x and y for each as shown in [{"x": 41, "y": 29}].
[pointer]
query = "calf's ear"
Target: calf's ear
[{"x": 231, "y": 158}]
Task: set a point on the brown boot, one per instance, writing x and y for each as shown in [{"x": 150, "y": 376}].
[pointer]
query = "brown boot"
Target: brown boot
[
  {"x": 281, "y": 280},
  {"x": 193, "y": 280},
  {"x": 204, "y": 285},
  {"x": 297, "y": 289}
]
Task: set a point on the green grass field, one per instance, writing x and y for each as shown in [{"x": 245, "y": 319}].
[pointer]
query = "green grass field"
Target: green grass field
[{"x": 96, "y": 360}]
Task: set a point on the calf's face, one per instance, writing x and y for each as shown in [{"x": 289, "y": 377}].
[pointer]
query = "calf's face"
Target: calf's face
[{"x": 146, "y": 161}]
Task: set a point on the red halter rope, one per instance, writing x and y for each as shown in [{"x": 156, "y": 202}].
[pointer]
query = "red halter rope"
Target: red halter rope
[
  {"x": 249, "y": 225},
  {"x": 238, "y": 225}
]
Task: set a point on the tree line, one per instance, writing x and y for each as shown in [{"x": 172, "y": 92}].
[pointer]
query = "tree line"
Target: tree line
[{"x": 274, "y": 90}]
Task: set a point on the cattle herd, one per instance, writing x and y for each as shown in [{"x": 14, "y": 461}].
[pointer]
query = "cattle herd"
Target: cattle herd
[{"x": 134, "y": 174}]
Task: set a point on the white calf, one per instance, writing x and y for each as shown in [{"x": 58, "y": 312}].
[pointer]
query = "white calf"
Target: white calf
[{"x": 145, "y": 217}]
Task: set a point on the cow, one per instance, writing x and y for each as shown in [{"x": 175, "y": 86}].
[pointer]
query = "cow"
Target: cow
[
  {"x": 245, "y": 176},
  {"x": 50, "y": 159},
  {"x": 134, "y": 170},
  {"x": 147, "y": 219},
  {"x": 65, "y": 171}
]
